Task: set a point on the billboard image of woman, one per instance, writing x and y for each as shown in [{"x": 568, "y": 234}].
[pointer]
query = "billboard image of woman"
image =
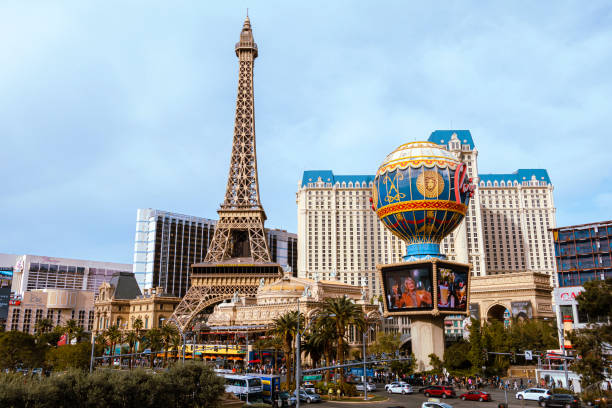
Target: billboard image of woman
[{"x": 408, "y": 287}]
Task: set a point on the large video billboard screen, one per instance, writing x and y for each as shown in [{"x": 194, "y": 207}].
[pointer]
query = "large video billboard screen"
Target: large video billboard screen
[
  {"x": 408, "y": 287},
  {"x": 452, "y": 281}
]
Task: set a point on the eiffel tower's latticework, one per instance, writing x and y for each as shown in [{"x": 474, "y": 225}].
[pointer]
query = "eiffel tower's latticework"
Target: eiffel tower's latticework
[
  {"x": 241, "y": 217},
  {"x": 238, "y": 260}
]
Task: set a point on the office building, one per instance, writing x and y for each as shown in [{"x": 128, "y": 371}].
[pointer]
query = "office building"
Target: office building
[
  {"x": 168, "y": 244},
  {"x": 33, "y": 272},
  {"x": 505, "y": 229},
  {"x": 58, "y": 289},
  {"x": 582, "y": 253}
]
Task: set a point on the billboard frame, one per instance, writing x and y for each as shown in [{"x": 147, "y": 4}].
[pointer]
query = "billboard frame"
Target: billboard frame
[{"x": 434, "y": 311}]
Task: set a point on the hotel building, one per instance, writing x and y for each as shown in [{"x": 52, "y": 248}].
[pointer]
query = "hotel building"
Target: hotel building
[
  {"x": 582, "y": 253},
  {"x": 167, "y": 244},
  {"x": 505, "y": 229}
]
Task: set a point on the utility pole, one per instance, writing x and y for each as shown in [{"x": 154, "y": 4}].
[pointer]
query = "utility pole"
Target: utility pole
[
  {"x": 298, "y": 354},
  {"x": 91, "y": 360},
  {"x": 365, "y": 381}
]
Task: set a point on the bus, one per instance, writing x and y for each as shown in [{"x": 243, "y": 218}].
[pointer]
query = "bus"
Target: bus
[
  {"x": 246, "y": 387},
  {"x": 270, "y": 386}
]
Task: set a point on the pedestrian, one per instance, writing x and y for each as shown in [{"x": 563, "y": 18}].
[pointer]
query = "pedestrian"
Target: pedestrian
[{"x": 330, "y": 392}]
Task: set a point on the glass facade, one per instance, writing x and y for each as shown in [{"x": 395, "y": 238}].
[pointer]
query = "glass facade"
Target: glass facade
[
  {"x": 583, "y": 253},
  {"x": 168, "y": 244}
]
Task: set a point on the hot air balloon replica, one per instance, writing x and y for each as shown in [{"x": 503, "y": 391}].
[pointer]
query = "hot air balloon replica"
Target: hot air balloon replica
[{"x": 421, "y": 194}]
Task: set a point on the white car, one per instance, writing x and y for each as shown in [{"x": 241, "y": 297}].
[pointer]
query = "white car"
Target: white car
[
  {"x": 533, "y": 394},
  {"x": 400, "y": 389},
  {"x": 371, "y": 387},
  {"x": 394, "y": 384},
  {"x": 433, "y": 403}
]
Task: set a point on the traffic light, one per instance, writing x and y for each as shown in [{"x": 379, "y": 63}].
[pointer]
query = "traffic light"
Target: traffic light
[
  {"x": 514, "y": 357},
  {"x": 484, "y": 354}
]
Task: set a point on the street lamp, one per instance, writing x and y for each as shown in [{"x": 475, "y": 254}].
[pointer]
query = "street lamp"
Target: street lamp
[
  {"x": 93, "y": 345},
  {"x": 298, "y": 353},
  {"x": 365, "y": 377}
]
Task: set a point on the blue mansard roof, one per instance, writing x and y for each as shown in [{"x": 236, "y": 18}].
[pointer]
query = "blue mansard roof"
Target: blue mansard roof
[
  {"x": 327, "y": 176},
  {"x": 442, "y": 137},
  {"x": 519, "y": 176}
]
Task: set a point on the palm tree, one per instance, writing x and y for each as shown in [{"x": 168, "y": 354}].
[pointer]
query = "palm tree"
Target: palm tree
[
  {"x": 71, "y": 329},
  {"x": 285, "y": 328},
  {"x": 168, "y": 334},
  {"x": 275, "y": 343},
  {"x": 43, "y": 326},
  {"x": 114, "y": 336},
  {"x": 153, "y": 340},
  {"x": 342, "y": 312},
  {"x": 131, "y": 338},
  {"x": 137, "y": 326},
  {"x": 258, "y": 345},
  {"x": 324, "y": 336},
  {"x": 312, "y": 348}
]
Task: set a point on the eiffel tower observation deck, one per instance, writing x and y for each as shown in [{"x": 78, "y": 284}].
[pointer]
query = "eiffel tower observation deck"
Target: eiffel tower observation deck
[{"x": 238, "y": 259}]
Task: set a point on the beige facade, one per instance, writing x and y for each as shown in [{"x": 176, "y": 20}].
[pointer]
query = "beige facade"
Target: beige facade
[
  {"x": 526, "y": 294},
  {"x": 57, "y": 305},
  {"x": 339, "y": 234},
  {"x": 287, "y": 294},
  {"x": 153, "y": 307}
]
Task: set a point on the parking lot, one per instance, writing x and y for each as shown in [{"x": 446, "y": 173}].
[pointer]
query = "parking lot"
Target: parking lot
[{"x": 415, "y": 400}]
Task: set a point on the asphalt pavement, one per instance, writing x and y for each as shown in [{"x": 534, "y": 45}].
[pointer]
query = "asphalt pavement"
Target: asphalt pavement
[{"x": 415, "y": 400}]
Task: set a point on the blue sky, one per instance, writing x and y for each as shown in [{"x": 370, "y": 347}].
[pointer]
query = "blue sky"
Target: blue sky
[{"x": 110, "y": 106}]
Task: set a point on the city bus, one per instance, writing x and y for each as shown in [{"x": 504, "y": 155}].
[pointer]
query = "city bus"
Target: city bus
[{"x": 246, "y": 387}]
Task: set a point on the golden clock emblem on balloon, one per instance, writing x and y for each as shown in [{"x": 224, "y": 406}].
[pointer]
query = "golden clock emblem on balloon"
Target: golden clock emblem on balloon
[{"x": 430, "y": 184}]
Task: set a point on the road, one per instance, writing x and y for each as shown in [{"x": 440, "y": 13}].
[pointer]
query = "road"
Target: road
[{"x": 415, "y": 401}]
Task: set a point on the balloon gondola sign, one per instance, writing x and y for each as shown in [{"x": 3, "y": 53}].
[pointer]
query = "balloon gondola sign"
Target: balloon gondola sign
[{"x": 421, "y": 194}]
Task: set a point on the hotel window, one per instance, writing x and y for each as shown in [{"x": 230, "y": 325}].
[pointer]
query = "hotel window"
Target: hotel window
[
  {"x": 15, "y": 319},
  {"x": 27, "y": 319}
]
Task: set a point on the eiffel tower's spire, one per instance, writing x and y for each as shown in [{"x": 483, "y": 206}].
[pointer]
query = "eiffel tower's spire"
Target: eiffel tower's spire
[
  {"x": 240, "y": 231},
  {"x": 242, "y": 184}
]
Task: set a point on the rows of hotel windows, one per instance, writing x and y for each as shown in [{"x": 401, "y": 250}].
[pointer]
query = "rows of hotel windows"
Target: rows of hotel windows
[
  {"x": 55, "y": 316},
  {"x": 53, "y": 276},
  {"x": 584, "y": 255}
]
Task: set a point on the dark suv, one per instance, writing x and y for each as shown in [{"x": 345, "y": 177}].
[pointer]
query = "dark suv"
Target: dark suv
[
  {"x": 439, "y": 391},
  {"x": 561, "y": 400}
]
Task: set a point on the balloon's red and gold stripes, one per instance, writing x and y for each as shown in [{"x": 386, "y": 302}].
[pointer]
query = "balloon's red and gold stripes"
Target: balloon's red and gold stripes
[{"x": 421, "y": 205}]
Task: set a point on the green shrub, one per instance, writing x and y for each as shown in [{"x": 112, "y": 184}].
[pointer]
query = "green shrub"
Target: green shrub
[
  {"x": 193, "y": 385},
  {"x": 348, "y": 390},
  {"x": 561, "y": 391}
]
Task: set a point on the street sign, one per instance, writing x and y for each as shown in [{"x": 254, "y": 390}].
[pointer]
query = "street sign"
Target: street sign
[
  {"x": 528, "y": 355},
  {"x": 317, "y": 377}
]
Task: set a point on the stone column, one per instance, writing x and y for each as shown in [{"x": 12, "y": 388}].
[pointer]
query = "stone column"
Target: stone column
[{"x": 427, "y": 334}]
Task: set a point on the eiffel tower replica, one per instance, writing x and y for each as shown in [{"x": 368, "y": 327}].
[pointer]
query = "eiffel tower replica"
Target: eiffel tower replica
[{"x": 238, "y": 259}]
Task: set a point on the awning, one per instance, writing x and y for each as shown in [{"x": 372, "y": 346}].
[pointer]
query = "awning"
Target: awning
[{"x": 254, "y": 361}]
